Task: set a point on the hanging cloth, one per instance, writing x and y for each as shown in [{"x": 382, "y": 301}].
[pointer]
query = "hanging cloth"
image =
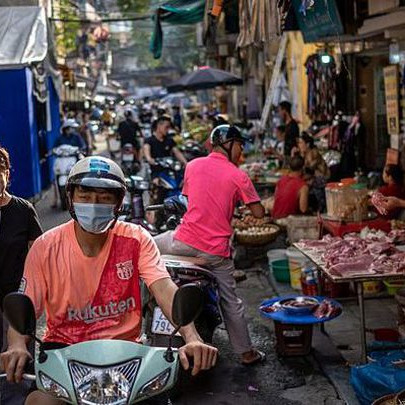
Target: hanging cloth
[
  {"x": 266, "y": 21},
  {"x": 259, "y": 22},
  {"x": 245, "y": 37},
  {"x": 174, "y": 12},
  {"x": 321, "y": 102}
]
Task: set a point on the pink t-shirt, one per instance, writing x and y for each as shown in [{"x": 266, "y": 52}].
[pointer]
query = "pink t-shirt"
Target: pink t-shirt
[
  {"x": 213, "y": 186},
  {"x": 87, "y": 298}
]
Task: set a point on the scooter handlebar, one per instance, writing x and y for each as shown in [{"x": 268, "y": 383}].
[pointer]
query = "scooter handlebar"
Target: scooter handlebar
[
  {"x": 28, "y": 377},
  {"x": 156, "y": 207}
]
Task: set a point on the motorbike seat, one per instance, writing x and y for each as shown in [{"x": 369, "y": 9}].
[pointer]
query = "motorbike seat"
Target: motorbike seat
[{"x": 198, "y": 261}]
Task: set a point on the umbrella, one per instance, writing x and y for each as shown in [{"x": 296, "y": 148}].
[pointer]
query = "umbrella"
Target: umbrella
[
  {"x": 204, "y": 78},
  {"x": 177, "y": 99}
]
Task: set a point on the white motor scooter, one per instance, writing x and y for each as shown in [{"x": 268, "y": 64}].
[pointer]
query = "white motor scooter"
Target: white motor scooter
[
  {"x": 104, "y": 371},
  {"x": 66, "y": 157}
]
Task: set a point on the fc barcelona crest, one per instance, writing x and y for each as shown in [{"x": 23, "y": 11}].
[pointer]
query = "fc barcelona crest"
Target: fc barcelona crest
[{"x": 125, "y": 270}]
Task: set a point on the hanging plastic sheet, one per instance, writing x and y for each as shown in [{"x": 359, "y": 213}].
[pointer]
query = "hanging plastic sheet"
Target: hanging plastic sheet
[{"x": 174, "y": 12}]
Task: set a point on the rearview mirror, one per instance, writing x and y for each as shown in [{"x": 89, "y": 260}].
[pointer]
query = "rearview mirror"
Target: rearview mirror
[
  {"x": 20, "y": 312},
  {"x": 187, "y": 304}
]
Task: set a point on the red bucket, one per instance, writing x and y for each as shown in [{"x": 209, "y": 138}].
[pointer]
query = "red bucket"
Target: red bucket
[{"x": 386, "y": 335}]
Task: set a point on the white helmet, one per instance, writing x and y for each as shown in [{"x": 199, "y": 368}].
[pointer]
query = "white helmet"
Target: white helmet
[
  {"x": 96, "y": 172},
  {"x": 70, "y": 123}
]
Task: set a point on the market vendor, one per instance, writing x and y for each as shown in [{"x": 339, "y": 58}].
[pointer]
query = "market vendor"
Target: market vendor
[
  {"x": 393, "y": 189},
  {"x": 291, "y": 127},
  {"x": 316, "y": 170},
  {"x": 291, "y": 196}
]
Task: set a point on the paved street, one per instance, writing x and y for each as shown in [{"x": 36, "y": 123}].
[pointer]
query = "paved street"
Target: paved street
[{"x": 282, "y": 381}]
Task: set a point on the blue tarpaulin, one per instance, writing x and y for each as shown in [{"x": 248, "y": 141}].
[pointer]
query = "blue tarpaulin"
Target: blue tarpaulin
[
  {"x": 378, "y": 378},
  {"x": 29, "y": 108},
  {"x": 18, "y": 133}
]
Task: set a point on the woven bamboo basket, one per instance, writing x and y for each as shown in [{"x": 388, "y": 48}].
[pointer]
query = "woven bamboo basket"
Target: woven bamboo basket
[{"x": 257, "y": 240}]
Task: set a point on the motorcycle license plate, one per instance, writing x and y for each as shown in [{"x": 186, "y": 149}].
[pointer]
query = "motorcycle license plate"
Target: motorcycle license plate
[
  {"x": 128, "y": 157},
  {"x": 160, "y": 324}
]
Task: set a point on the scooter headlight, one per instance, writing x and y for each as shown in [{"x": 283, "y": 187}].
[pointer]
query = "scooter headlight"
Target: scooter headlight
[
  {"x": 96, "y": 385},
  {"x": 52, "y": 387},
  {"x": 155, "y": 385}
]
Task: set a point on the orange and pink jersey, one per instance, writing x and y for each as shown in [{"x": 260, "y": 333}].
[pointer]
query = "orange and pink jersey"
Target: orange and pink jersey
[{"x": 87, "y": 298}]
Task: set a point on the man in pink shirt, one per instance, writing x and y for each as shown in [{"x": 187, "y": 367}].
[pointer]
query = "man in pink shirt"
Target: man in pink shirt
[{"x": 213, "y": 186}]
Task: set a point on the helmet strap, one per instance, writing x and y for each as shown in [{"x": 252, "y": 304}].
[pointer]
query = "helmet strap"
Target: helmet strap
[{"x": 228, "y": 150}]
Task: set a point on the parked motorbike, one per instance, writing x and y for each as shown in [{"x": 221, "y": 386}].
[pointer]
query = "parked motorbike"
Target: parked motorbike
[
  {"x": 114, "y": 146},
  {"x": 146, "y": 129},
  {"x": 169, "y": 177},
  {"x": 129, "y": 163},
  {"x": 104, "y": 371},
  {"x": 66, "y": 157},
  {"x": 192, "y": 149},
  {"x": 133, "y": 205},
  {"x": 183, "y": 270}
]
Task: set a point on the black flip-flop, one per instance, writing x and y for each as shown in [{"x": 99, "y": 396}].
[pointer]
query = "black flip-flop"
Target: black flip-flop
[{"x": 260, "y": 359}]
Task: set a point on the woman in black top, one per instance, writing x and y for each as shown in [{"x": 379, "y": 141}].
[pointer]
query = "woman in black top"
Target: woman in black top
[{"x": 19, "y": 227}]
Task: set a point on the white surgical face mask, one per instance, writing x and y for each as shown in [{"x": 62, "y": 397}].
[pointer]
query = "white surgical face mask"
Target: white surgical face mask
[{"x": 94, "y": 218}]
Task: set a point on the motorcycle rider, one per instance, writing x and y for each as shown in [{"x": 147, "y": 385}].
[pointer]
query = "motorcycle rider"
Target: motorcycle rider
[
  {"x": 68, "y": 136},
  {"x": 130, "y": 132},
  {"x": 85, "y": 275},
  {"x": 159, "y": 145},
  {"x": 213, "y": 186}
]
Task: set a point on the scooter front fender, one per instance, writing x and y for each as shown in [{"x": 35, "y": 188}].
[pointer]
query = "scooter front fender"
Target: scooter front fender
[{"x": 106, "y": 354}]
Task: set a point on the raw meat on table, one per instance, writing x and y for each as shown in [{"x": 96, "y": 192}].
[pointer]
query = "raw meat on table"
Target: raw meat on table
[{"x": 378, "y": 200}]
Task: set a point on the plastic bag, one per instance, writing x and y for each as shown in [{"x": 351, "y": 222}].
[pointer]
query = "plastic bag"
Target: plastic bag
[{"x": 381, "y": 377}]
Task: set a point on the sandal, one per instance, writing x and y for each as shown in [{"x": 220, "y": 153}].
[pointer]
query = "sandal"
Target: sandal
[{"x": 260, "y": 359}]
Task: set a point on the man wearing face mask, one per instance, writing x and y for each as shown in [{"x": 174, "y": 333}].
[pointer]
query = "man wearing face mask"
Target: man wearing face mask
[
  {"x": 85, "y": 274},
  {"x": 213, "y": 186},
  {"x": 69, "y": 136}
]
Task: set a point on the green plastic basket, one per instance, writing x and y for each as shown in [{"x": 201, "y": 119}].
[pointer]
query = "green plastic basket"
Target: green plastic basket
[
  {"x": 394, "y": 286},
  {"x": 281, "y": 270}
]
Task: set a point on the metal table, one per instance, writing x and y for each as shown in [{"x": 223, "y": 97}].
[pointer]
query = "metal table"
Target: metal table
[{"x": 358, "y": 281}]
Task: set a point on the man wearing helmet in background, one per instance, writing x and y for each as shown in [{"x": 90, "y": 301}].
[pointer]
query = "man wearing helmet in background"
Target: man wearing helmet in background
[
  {"x": 130, "y": 132},
  {"x": 85, "y": 275},
  {"x": 69, "y": 135},
  {"x": 213, "y": 186}
]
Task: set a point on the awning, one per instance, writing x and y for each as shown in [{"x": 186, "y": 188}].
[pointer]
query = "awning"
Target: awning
[
  {"x": 378, "y": 24},
  {"x": 175, "y": 12},
  {"x": 23, "y": 36},
  {"x": 25, "y": 39}
]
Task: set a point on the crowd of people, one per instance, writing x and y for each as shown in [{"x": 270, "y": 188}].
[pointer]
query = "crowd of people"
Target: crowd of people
[
  {"x": 74, "y": 265},
  {"x": 302, "y": 190},
  {"x": 77, "y": 261}
]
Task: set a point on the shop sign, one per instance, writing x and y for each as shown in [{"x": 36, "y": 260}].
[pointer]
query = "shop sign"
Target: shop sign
[
  {"x": 319, "y": 21},
  {"x": 392, "y": 98}
]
